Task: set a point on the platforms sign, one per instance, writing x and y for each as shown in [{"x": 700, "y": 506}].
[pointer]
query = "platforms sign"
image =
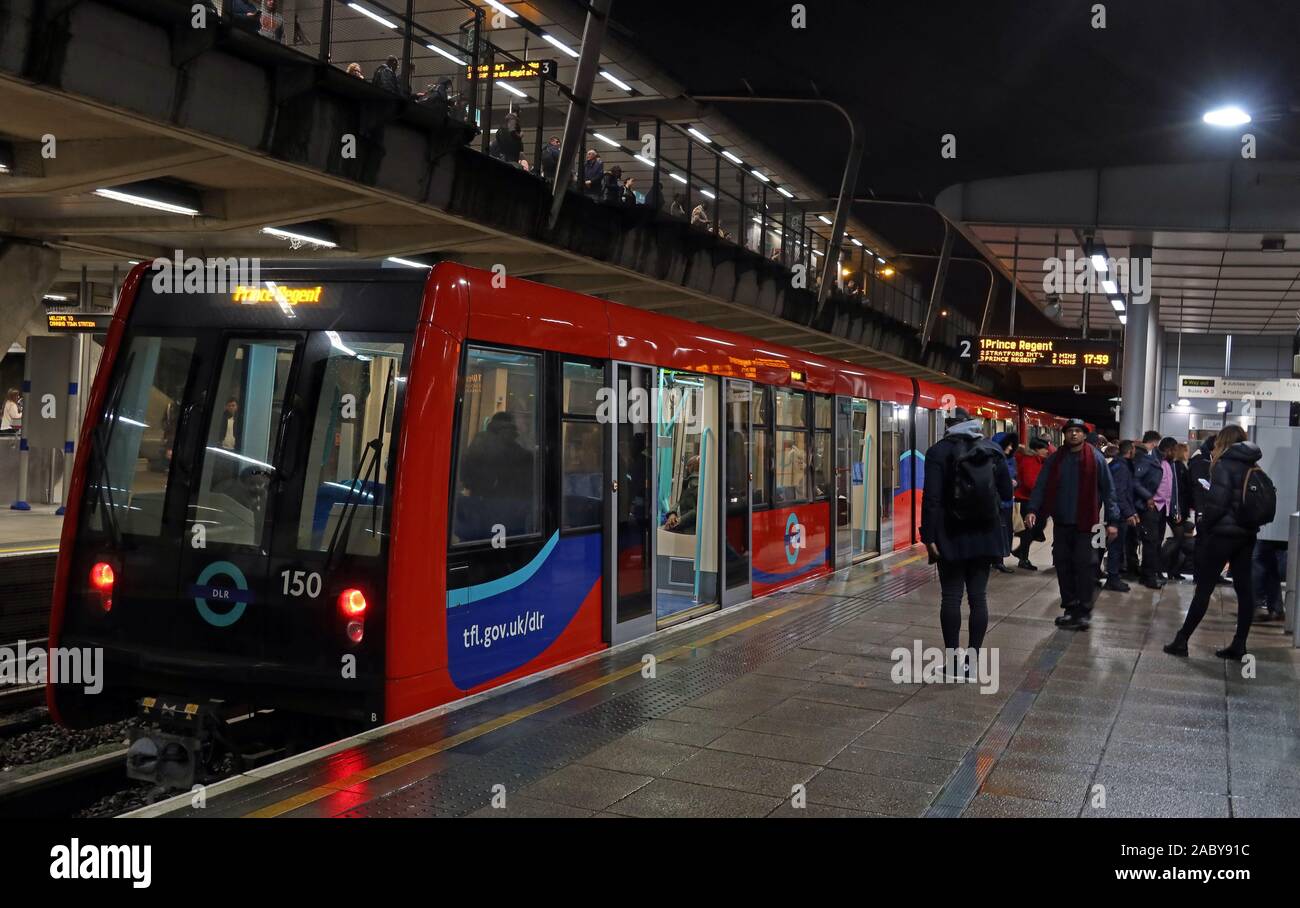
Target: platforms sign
[
  {"x": 1213, "y": 387},
  {"x": 1050, "y": 352}
]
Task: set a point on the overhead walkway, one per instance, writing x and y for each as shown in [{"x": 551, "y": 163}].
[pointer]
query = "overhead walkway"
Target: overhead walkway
[{"x": 786, "y": 708}]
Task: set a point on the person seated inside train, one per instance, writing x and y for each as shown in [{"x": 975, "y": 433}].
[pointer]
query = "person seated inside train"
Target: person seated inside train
[
  {"x": 793, "y": 472},
  {"x": 681, "y": 519},
  {"x": 497, "y": 478}
]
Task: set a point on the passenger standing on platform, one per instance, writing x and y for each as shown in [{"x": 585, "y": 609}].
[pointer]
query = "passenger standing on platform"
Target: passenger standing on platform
[
  {"x": 1269, "y": 567},
  {"x": 611, "y": 186},
  {"x": 386, "y": 76},
  {"x": 551, "y": 158},
  {"x": 1121, "y": 477},
  {"x": 966, "y": 479},
  {"x": 508, "y": 143},
  {"x": 1074, "y": 489},
  {"x": 1154, "y": 491},
  {"x": 1028, "y": 465},
  {"x": 1007, "y": 442},
  {"x": 1227, "y": 534},
  {"x": 1177, "y": 553},
  {"x": 700, "y": 217},
  {"x": 593, "y": 169},
  {"x": 12, "y": 419}
]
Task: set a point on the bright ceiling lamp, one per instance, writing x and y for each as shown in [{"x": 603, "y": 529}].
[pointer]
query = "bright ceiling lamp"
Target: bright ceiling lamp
[
  {"x": 699, "y": 135},
  {"x": 644, "y": 160},
  {"x": 732, "y": 158},
  {"x": 608, "y": 141},
  {"x": 498, "y": 5},
  {"x": 707, "y": 193},
  {"x": 824, "y": 219},
  {"x": 1099, "y": 262},
  {"x": 678, "y": 177},
  {"x": 855, "y": 241},
  {"x": 610, "y": 77},
  {"x": 551, "y": 39},
  {"x": 370, "y": 15},
  {"x": 450, "y": 56},
  {"x": 407, "y": 262},
  {"x": 284, "y": 234},
  {"x": 1231, "y": 115},
  {"x": 510, "y": 88},
  {"x": 145, "y": 196},
  {"x": 1117, "y": 304},
  {"x": 765, "y": 179},
  {"x": 1110, "y": 286},
  {"x": 1123, "y": 319},
  {"x": 785, "y": 192}
]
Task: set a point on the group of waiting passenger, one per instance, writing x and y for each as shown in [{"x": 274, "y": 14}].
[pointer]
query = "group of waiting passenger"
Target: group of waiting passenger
[{"x": 979, "y": 493}]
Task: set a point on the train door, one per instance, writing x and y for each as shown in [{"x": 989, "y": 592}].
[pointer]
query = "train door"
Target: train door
[
  {"x": 892, "y": 425},
  {"x": 686, "y": 472},
  {"x": 865, "y": 495},
  {"x": 843, "y": 512},
  {"x": 629, "y": 561},
  {"x": 736, "y": 483}
]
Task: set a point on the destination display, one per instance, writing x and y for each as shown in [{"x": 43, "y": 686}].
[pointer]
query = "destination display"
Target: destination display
[
  {"x": 78, "y": 322},
  {"x": 1051, "y": 352},
  {"x": 511, "y": 69}
]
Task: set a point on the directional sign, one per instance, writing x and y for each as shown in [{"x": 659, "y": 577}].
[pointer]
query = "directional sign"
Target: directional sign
[{"x": 1050, "y": 352}]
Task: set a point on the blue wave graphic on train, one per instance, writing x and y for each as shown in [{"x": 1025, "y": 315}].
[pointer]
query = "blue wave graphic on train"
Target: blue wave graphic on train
[
  {"x": 798, "y": 571},
  {"x": 497, "y": 626}
]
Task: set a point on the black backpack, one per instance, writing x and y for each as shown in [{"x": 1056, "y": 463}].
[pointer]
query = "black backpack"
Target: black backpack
[
  {"x": 974, "y": 500},
  {"x": 1258, "y": 505}
]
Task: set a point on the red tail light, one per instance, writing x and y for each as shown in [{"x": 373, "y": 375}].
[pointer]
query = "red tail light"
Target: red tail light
[
  {"x": 352, "y": 603},
  {"x": 101, "y": 579}
]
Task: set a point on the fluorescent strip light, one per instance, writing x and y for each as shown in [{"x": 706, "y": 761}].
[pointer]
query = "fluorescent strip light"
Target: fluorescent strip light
[
  {"x": 610, "y": 142},
  {"x": 4, "y": 168},
  {"x": 290, "y": 235},
  {"x": 855, "y": 241},
  {"x": 765, "y": 179},
  {"x": 816, "y": 253},
  {"x": 1117, "y": 304},
  {"x": 732, "y": 158},
  {"x": 1099, "y": 262},
  {"x": 881, "y": 261},
  {"x": 785, "y": 192},
  {"x": 496, "y": 4},
  {"x": 118, "y": 196},
  {"x": 551, "y": 39},
  {"x": 1123, "y": 319},
  {"x": 510, "y": 88},
  {"x": 1227, "y": 116},
  {"x": 644, "y": 160},
  {"x": 824, "y": 219},
  {"x": 607, "y": 75},
  {"x": 699, "y": 135},
  {"x": 56, "y": 297},
  {"x": 709, "y": 194},
  {"x": 1110, "y": 286},
  {"x": 369, "y": 15},
  {"x": 678, "y": 177},
  {"x": 407, "y": 262},
  {"x": 450, "y": 56}
]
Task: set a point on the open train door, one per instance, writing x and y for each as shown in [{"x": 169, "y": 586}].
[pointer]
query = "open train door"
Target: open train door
[
  {"x": 843, "y": 473},
  {"x": 737, "y": 485}
]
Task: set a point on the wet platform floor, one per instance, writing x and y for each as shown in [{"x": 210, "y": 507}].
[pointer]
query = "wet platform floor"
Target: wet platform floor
[{"x": 789, "y": 707}]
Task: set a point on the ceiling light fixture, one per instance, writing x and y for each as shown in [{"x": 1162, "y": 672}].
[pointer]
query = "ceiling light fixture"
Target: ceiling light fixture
[
  {"x": 644, "y": 160},
  {"x": 699, "y": 135},
  {"x": 407, "y": 262},
  {"x": 147, "y": 195},
  {"x": 498, "y": 5},
  {"x": 510, "y": 88},
  {"x": 610, "y": 77},
  {"x": 1231, "y": 115},
  {"x": 551, "y": 39},
  {"x": 1099, "y": 262},
  {"x": 450, "y": 56},
  {"x": 608, "y": 141},
  {"x": 375, "y": 16},
  {"x": 732, "y": 158},
  {"x": 1110, "y": 286},
  {"x": 296, "y": 235}
]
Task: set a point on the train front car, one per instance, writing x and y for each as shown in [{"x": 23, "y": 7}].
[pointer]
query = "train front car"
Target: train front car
[{"x": 226, "y": 537}]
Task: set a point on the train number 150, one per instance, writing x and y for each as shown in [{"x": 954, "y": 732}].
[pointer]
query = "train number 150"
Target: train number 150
[{"x": 298, "y": 582}]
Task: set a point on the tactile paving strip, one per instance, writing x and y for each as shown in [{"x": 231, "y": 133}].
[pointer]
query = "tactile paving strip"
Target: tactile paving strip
[{"x": 466, "y": 787}]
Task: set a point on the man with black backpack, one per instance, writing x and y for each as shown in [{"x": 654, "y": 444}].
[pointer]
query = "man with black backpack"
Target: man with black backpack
[
  {"x": 966, "y": 481},
  {"x": 1240, "y": 500},
  {"x": 1073, "y": 489}
]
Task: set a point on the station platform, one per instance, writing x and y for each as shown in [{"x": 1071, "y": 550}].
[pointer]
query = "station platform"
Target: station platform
[
  {"x": 30, "y": 532},
  {"x": 795, "y": 690}
]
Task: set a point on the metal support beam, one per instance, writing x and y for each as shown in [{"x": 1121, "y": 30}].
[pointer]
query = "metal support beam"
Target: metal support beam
[
  {"x": 936, "y": 287},
  {"x": 593, "y": 35},
  {"x": 857, "y": 141}
]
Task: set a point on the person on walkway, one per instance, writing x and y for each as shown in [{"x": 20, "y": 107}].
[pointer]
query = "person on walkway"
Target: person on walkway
[
  {"x": 593, "y": 169},
  {"x": 1007, "y": 443},
  {"x": 386, "y": 76},
  {"x": 1121, "y": 477},
  {"x": 1029, "y": 463},
  {"x": 1155, "y": 488},
  {"x": 1225, "y": 536},
  {"x": 966, "y": 479},
  {"x": 551, "y": 158},
  {"x": 1074, "y": 489},
  {"x": 12, "y": 419}
]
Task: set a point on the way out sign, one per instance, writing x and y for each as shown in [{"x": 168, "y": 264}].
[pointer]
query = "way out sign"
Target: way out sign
[{"x": 45, "y": 409}]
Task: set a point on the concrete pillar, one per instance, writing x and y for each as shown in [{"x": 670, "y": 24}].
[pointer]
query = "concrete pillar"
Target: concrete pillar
[
  {"x": 1156, "y": 342},
  {"x": 1135, "y": 385},
  {"x": 26, "y": 273}
]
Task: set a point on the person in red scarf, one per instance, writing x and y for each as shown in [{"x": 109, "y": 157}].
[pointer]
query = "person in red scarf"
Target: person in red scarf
[{"x": 1073, "y": 489}]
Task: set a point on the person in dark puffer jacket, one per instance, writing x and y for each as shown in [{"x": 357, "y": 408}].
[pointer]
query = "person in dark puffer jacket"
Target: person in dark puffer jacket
[{"x": 1223, "y": 538}]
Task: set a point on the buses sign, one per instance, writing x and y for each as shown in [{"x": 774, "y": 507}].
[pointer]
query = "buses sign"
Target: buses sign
[{"x": 1050, "y": 352}]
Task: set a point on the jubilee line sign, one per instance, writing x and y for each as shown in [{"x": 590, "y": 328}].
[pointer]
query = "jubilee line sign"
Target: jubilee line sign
[{"x": 1215, "y": 387}]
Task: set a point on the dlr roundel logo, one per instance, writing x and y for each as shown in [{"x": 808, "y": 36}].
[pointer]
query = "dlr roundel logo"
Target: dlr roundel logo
[
  {"x": 795, "y": 540},
  {"x": 231, "y": 596}
]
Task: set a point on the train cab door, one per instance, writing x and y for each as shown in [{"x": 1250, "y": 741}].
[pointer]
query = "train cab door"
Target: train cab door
[
  {"x": 737, "y": 484},
  {"x": 843, "y": 489}
]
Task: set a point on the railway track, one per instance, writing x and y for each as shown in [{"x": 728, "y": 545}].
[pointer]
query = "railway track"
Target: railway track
[{"x": 62, "y": 790}]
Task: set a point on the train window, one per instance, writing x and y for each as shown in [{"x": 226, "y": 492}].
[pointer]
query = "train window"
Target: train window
[
  {"x": 791, "y": 467},
  {"x": 496, "y": 464},
  {"x": 139, "y": 433},
  {"x": 357, "y": 401},
  {"x": 761, "y": 435},
  {"x": 790, "y": 408},
  {"x": 240, "y": 445},
  {"x": 583, "y": 481},
  {"x": 823, "y": 465},
  {"x": 760, "y": 405},
  {"x": 822, "y": 412},
  {"x": 582, "y": 382}
]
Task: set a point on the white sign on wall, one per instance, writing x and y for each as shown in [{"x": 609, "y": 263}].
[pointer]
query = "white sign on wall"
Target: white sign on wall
[{"x": 1219, "y": 388}]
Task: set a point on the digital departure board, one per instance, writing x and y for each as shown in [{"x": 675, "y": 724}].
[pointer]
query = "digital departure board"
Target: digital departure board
[
  {"x": 510, "y": 69},
  {"x": 1050, "y": 352}
]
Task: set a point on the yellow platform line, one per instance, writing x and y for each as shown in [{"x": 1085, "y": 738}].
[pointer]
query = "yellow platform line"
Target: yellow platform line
[
  {"x": 48, "y": 547},
  {"x": 392, "y": 764}
]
